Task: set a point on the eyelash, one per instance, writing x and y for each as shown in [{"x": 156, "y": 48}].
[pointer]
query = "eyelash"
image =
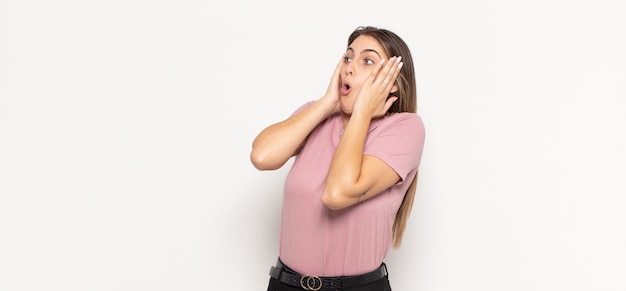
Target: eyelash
[{"x": 367, "y": 61}]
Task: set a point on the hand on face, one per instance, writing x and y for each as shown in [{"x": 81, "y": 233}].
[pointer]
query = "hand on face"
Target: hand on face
[
  {"x": 332, "y": 93},
  {"x": 372, "y": 98}
]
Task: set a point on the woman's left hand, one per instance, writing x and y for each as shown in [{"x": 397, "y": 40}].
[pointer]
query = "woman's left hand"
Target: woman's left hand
[{"x": 373, "y": 97}]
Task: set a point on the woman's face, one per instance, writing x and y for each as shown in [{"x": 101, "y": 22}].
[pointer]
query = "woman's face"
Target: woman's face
[{"x": 362, "y": 56}]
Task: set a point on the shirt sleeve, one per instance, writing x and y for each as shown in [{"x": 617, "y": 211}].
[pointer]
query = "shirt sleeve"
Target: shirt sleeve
[{"x": 399, "y": 143}]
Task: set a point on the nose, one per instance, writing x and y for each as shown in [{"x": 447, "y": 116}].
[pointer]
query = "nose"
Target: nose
[{"x": 348, "y": 69}]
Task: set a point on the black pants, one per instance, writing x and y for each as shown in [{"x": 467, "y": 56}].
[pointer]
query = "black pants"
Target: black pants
[{"x": 380, "y": 285}]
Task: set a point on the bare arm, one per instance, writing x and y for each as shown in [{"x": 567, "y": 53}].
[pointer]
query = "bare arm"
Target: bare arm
[
  {"x": 280, "y": 141},
  {"x": 353, "y": 176},
  {"x": 273, "y": 147}
]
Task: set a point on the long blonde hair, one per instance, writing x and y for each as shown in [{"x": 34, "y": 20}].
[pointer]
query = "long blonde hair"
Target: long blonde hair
[{"x": 407, "y": 102}]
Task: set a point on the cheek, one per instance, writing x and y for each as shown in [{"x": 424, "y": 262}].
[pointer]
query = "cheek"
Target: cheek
[
  {"x": 365, "y": 72},
  {"x": 361, "y": 80}
]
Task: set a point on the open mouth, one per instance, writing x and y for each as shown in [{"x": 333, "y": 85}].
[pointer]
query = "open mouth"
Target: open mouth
[{"x": 345, "y": 89}]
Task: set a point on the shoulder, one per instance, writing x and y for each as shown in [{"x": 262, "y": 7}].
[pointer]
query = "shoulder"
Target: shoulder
[
  {"x": 399, "y": 130},
  {"x": 404, "y": 120},
  {"x": 398, "y": 140}
]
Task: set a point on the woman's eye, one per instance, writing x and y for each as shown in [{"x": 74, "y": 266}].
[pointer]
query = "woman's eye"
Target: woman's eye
[
  {"x": 347, "y": 59},
  {"x": 369, "y": 62}
]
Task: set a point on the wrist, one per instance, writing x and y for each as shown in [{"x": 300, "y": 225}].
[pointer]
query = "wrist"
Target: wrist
[
  {"x": 359, "y": 120},
  {"x": 328, "y": 105}
]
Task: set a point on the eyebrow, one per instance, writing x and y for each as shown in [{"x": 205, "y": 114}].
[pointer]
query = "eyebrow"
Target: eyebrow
[{"x": 365, "y": 50}]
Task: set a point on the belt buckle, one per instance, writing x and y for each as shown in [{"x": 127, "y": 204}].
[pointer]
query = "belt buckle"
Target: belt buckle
[{"x": 311, "y": 283}]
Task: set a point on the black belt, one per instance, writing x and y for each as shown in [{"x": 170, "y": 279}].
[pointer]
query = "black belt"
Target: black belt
[{"x": 288, "y": 276}]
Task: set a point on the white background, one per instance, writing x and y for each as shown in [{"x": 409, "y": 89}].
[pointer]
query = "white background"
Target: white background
[{"x": 126, "y": 125}]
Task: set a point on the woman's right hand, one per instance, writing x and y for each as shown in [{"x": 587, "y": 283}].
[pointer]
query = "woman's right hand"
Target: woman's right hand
[
  {"x": 280, "y": 141},
  {"x": 332, "y": 93}
]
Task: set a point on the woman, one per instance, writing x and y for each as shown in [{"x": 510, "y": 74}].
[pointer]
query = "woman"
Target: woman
[{"x": 350, "y": 189}]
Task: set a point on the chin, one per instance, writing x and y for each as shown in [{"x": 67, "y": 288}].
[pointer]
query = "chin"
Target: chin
[
  {"x": 345, "y": 109},
  {"x": 346, "y": 105}
]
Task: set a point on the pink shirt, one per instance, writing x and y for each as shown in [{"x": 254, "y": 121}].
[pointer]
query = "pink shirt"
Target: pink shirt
[{"x": 315, "y": 240}]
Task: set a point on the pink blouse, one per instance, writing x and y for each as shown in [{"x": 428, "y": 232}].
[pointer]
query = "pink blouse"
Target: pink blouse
[{"x": 315, "y": 240}]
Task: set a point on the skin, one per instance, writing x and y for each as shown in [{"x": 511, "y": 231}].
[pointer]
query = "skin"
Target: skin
[{"x": 352, "y": 176}]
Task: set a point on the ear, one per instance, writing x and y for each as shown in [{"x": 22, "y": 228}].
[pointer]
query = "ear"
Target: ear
[{"x": 394, "y": 89}]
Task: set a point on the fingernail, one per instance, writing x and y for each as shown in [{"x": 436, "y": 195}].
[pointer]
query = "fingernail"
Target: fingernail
[
  {"x": 400, "y": 65},
  {"x": 382, "y": 61},
  {"x": 398, "y": 59}
]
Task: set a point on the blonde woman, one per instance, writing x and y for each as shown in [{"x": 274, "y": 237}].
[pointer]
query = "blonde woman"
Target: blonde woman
[{"x": 350, "y": 189}]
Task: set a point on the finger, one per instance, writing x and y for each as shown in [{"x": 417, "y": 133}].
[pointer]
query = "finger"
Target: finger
[
  {"x": 394, "y": 69},
  {"x": 337, "y": 72},
  {"x": 392, "y": 74},
  {"x": 383, "y": 76},
  {"x": 388, "y": 103},
  {"x": 374, "y": 73},
  {"x": 334, "y": 80}
]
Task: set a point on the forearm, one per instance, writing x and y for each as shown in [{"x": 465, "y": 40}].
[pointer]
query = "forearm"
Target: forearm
[
  {"x": 345, "y": 168},
  {"x": 277, "y": 143}
]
